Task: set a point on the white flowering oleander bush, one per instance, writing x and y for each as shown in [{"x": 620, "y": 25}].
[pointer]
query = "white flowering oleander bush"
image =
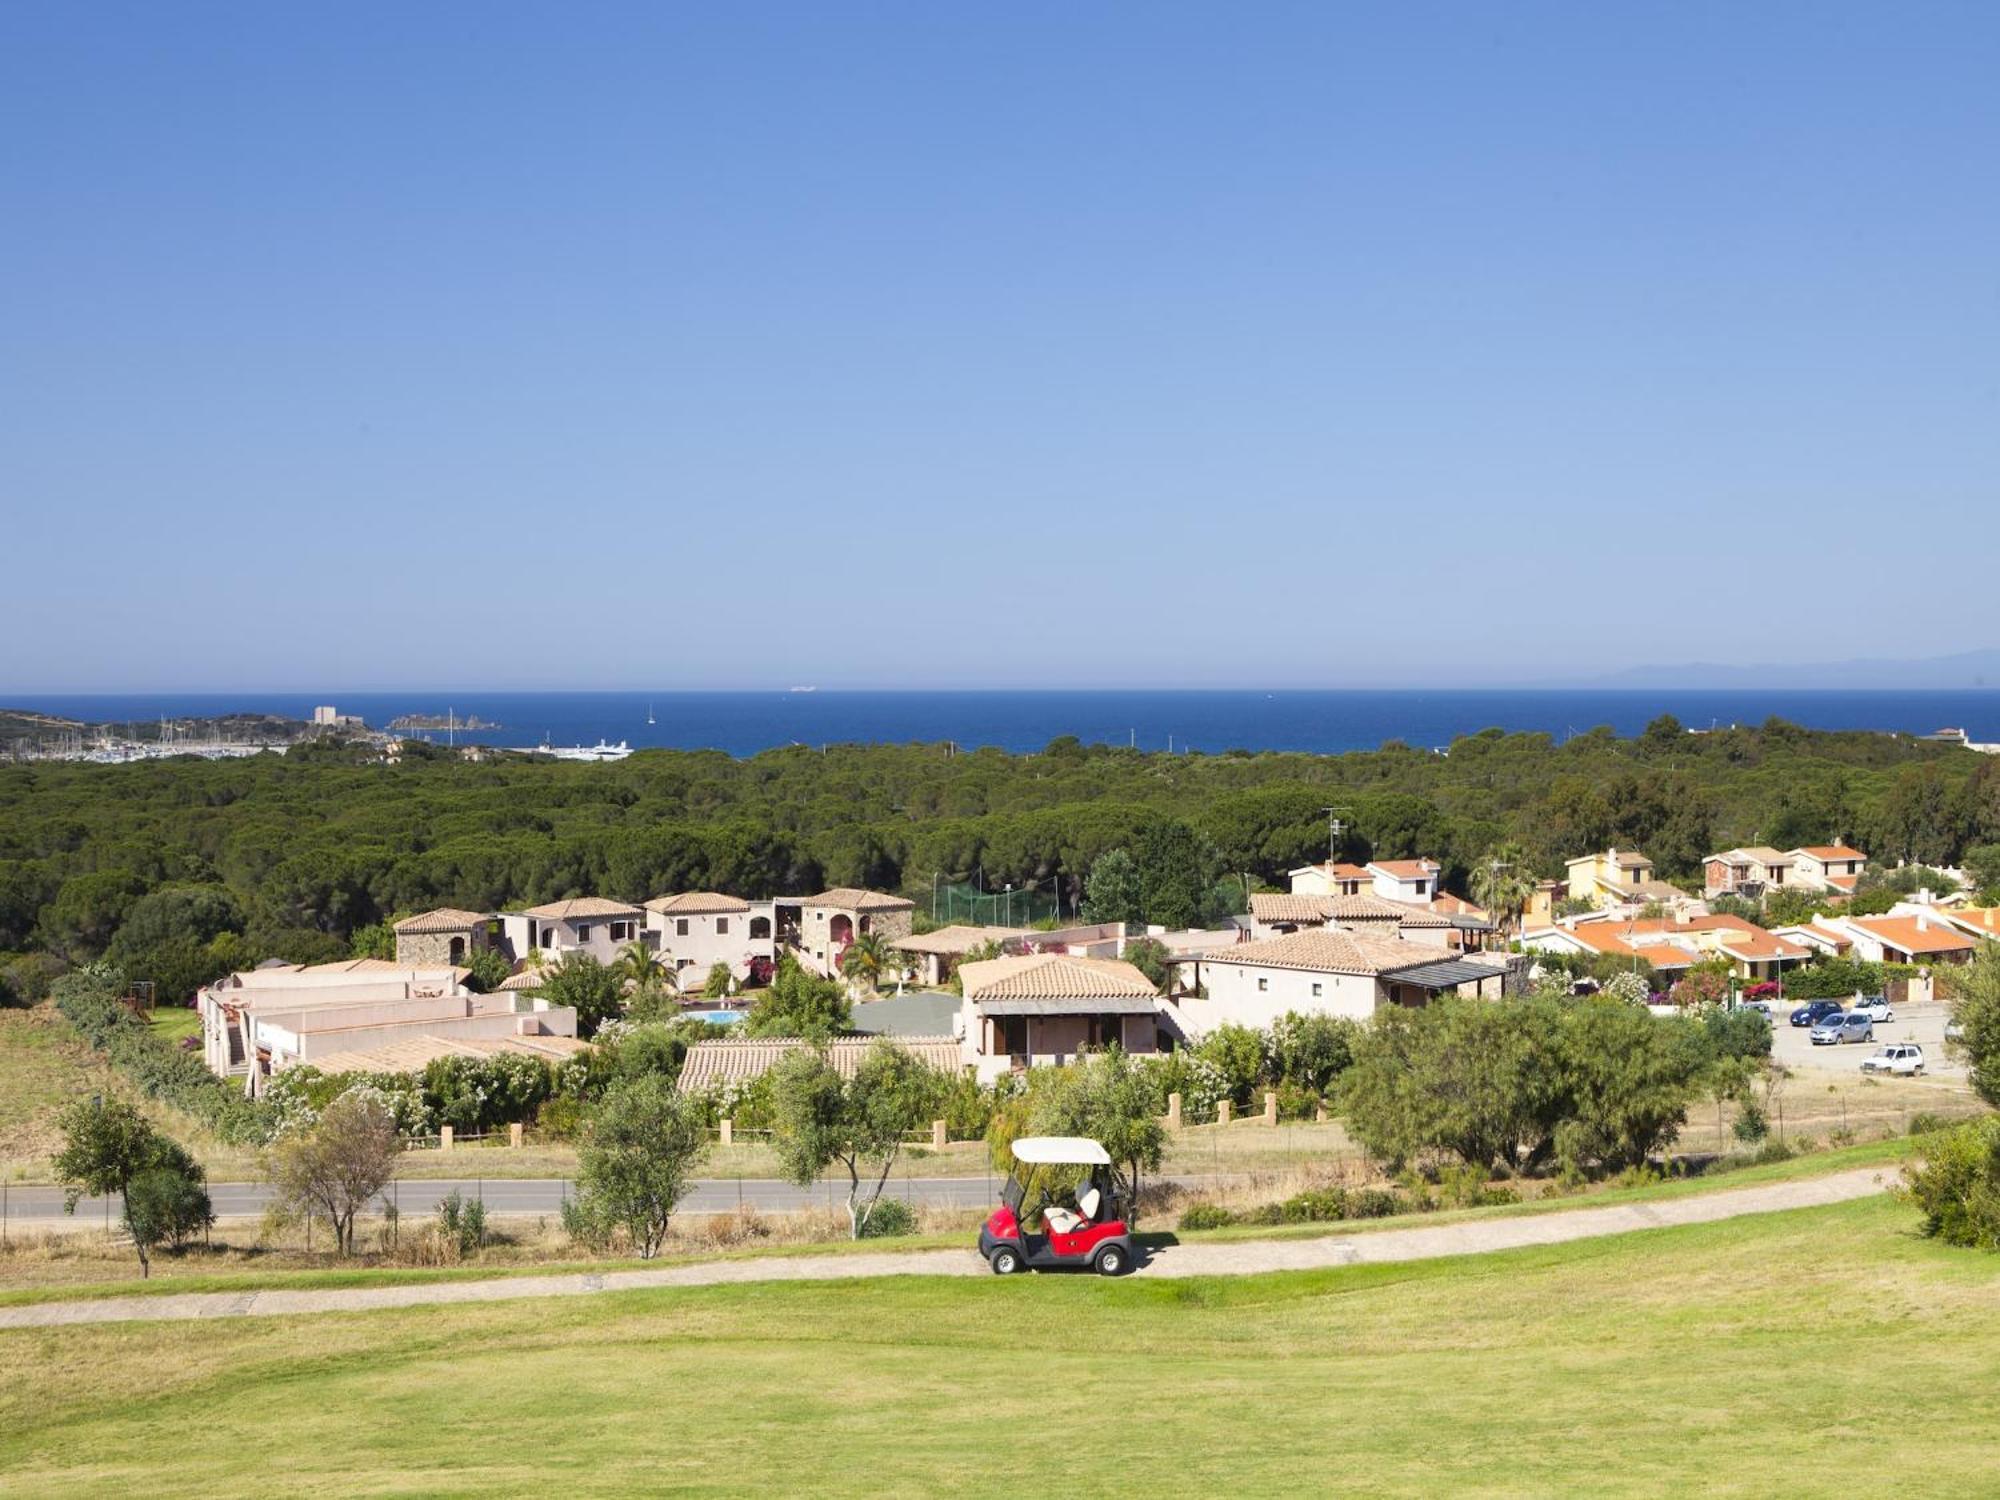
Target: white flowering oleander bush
[{"x": 1628, "y": 987}]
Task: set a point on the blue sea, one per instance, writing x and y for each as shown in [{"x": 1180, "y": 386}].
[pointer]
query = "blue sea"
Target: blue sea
[{"x": 742, "y": 723}]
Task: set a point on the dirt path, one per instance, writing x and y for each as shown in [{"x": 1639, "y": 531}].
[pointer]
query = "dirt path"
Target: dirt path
[{"x": 1229, "y": 1258}]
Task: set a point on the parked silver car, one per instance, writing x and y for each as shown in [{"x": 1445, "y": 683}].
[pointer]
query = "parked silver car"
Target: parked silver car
[{"x": 1848, "y": 1026}]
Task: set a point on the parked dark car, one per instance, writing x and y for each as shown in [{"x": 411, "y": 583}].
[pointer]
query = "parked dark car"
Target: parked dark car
[{"x": 1815, "y": 1011}]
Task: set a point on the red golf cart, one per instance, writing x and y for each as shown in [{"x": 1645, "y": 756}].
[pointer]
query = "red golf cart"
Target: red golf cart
[{"x": 1060, "y": 1207}]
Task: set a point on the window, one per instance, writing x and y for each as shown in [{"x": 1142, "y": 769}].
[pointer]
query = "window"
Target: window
[
  {"x": 1318, "y": 989},
  {"x": 680, "y": 926},
  {"x": 721, "y": 926},
  {"x": 548, "y": 937},
  {"x": 620, "y": 931},
  {"x": 583, "y": 933},
  {"x": 1263, "y": 983}
]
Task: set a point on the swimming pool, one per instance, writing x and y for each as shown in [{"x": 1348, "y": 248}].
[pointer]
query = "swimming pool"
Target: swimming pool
[{"x": 717, "y": 1017}]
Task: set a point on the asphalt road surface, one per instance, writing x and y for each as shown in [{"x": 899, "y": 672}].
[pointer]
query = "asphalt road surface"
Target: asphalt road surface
[
  {"x": 29, "y": 1206},
  {"x": 1923, "y": 1024}
]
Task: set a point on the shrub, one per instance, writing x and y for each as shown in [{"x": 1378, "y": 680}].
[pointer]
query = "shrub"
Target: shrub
[
  {"x": 1772, "y": 1151},
  {"x": 1373, "y": 1203},
  {"x": 560, "y": 1116},
  {"x": 1207, "y": 1216},
  {"x": 88, "y": 999},
  {"x": 1957, "y": 1187},
  {"x": 1242, "y": 1057},
  {"x": 1752, "y": 1124},
  {"x": 1925, "y": 1122},
  {"x": 1264, "y": 1214},
  {"x": 890, "y": 1219},
  {"x": 462, "y": 1222},
  {"x": 1315, "y": 1206},
  {"x": 1463, "y": 1185}
]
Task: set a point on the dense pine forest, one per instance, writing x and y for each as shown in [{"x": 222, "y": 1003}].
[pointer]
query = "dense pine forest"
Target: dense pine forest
[{"x": 205, "y": 863}]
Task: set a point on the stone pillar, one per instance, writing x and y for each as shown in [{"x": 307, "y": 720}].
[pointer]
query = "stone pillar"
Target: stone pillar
[
  {"x": 937, "y": 1135},
  {"x": 1174, "y": 1111},
  {"x": 727, "y": 1132},
  {"x": 444, "y": 1137},
  {"x": 1225, "y": 1111},
  {"x": 1270, "y": 1106},
  {"x": 514, "y": 1135}
]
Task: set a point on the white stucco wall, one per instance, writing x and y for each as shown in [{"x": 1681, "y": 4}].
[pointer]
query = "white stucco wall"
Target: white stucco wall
[{"x": 1256, "y": 995}]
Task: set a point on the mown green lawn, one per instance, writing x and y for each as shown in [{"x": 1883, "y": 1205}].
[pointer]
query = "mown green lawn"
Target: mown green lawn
[{"x": 1819, "y": 1352}]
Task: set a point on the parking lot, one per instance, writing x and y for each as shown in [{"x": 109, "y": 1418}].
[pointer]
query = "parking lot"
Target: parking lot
[{"x": 1922, "y": 1024}]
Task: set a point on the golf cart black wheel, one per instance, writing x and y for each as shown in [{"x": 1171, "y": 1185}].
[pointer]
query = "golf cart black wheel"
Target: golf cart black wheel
[
  {"x": 1005, "y": 1261},
  {"x": 1113, "y": 1260}
]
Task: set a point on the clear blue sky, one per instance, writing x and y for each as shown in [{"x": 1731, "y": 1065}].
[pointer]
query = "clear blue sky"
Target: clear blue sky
[{"x": 382, "y": 345}]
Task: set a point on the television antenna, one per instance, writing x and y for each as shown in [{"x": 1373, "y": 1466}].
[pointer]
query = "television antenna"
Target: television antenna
[{"x": 1336, "y": 828}]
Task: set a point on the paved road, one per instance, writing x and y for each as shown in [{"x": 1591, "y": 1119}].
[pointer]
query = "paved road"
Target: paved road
[
  {"x": 1235, "y": 1258},
  {"x": 42, "y": 1206}
]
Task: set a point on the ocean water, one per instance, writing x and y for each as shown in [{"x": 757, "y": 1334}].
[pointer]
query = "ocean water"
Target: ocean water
[{"x": 743, "y": 723}]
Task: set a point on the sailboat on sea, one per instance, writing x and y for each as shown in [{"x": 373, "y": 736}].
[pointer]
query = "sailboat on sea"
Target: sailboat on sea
[{"x": 649, "y": 713}]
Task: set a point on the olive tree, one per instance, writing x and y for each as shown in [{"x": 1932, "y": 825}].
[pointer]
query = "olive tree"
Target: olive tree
[
  {"x": 1106, "y": 1098},
  {"x": 1975, "y": 1006},
  {"x": 820, "y": 1119},
  {"x": 109, "y": 1147},
  {"x": 641, "y": 1143},
  {"x": 332, "y": 1167}
]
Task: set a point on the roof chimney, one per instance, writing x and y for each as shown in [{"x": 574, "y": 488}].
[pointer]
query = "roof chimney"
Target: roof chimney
[{"x": 1923, "y": 921}]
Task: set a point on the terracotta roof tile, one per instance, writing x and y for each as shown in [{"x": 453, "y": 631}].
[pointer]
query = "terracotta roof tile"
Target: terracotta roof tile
[
  {"x": 849, "y": 898},
  {"x": 581, "y": 906},
  {"x": 444, "y": 919},
  {"x": 741, "y": 1059},
  {"x": 697, "y": 903},
  {"x": 1052, "y": 976},
  {"x": 1331, "y": 951}
]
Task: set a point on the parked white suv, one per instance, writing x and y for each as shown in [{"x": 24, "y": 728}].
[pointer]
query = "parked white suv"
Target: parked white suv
[{"x": 1902, "y": 1059}]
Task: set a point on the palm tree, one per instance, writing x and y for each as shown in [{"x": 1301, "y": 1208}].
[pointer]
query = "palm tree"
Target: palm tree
[
  {"x": 639, "y": 966},
  {"x": 866, "y": 960},
  {"x": 1502, "y": 883}
]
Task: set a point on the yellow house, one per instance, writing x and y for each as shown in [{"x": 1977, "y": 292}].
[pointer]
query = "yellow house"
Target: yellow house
[{"x": 1617, "y": 877}]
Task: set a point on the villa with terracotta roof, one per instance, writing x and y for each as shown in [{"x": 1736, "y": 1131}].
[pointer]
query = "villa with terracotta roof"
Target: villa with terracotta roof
[
  {"x": 1619, "y": 878},
  {"x": 1025, "y": 1010},
  {"x": 1905, "y": 936},
  {"x": 1828, "y": 867},
  {"x": 581, "y": 924},
  {"x": 448, "y": 935},
  {"x": 939, "y": 952},
  {"x": 828, "y": 922},
  {"x": 1442, "y": 924},
  {"x": 263, "y": 1020},
  {"x": 1745, "y": 872},
  {"x": 1331, "y": 878},
  {"x": 1329, "y": 971},
  {"x": 695, "y": 930}
]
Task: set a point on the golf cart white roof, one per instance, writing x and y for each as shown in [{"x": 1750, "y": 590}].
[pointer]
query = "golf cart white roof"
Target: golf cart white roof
[{"x": 1063, "y": 1149}]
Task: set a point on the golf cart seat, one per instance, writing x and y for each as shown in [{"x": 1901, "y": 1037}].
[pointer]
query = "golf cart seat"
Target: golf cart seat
[
  {"x": 1061, "y": 1221},
  {"x": 1087, "y": 1201}
]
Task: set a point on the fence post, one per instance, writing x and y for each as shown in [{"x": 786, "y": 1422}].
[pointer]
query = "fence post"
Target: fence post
[
  {"x": 728, "y": 1131},
  {"x": 1271, "y": 1107},
  {"x": 937, "y": 1135},
  {"x": 1225, "y": 1111},
  {"x": 1319, "y": 1113},
  {"x": 514, "y": 1135},
  {"x": 444, "y": 1137},
  {"x": 1174, "y": 1110}
]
